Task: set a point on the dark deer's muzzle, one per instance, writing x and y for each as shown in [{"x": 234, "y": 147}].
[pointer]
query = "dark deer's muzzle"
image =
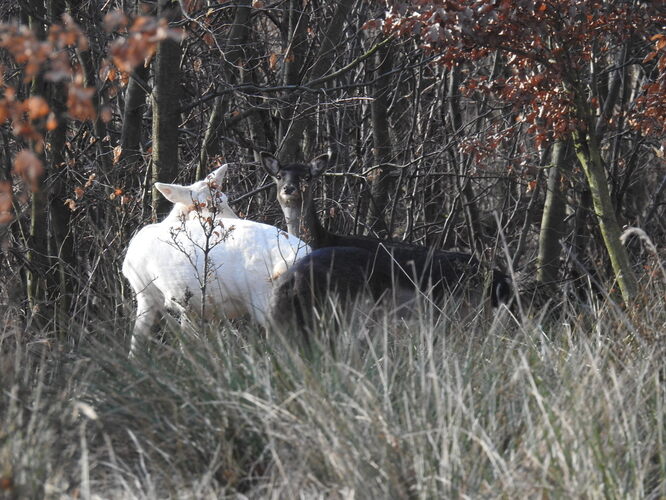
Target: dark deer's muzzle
[{"x": 290, "y": 195}]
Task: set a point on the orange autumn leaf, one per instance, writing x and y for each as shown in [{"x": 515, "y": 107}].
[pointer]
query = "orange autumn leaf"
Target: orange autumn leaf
[
  {"x": 115, "y": 20},
  {"x": 36, "y": 107},
  {"x": 6, "y": 213},
  {"x": 106, "y": 114},
  {"x": 273, "y": 60},
  {"x": 6, "y": 483},
  {"x": 29, "y": 167},
  {"x": 51, "y": 123},
  {"x": 79, "y": 102}
]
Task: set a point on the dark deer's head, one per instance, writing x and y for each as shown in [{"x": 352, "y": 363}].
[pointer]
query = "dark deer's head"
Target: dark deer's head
[{"x": 294, "y": 187}]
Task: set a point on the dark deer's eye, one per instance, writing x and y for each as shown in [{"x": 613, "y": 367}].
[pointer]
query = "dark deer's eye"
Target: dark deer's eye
[
  {"x": 278, "y": 177},
  {"x": 307, "y": 178}
]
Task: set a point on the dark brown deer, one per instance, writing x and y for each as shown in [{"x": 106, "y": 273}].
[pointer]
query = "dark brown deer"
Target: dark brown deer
[
  {"x": 440, "y": 272},
  {"x": 347, "y": 275}
]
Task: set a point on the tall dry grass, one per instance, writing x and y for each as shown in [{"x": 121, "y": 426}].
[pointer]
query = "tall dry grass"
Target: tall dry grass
[{"x": 561, "y": 405}]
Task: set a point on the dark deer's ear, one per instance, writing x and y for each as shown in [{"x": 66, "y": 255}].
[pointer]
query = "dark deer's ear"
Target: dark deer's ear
[
  {"x": 319, "y": 164},
  {"x": 270, "y": 163}
]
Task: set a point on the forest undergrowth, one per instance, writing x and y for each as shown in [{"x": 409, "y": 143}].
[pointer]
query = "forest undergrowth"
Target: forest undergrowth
[
  {"x": 528, "y": 135},
  {"x": 561, "y": 402}
]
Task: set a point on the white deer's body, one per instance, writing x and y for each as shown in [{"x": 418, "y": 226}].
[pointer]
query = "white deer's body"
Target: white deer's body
[{"x": 231, "y": 262}]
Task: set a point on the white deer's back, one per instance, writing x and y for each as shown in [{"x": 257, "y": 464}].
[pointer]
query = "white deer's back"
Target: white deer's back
[{"x": 168, "y": 262}]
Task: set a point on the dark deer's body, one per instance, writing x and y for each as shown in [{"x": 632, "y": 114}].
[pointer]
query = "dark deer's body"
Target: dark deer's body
[
  {"x": 344, "y": 273},
  {"x": 438, "y": 271}
]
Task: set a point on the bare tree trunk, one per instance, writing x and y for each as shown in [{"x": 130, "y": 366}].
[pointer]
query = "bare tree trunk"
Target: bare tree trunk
[
  {"x": 295, "y": 42},
  {"x": 60, "y": 277},
  {"x": 210, "y": 148},
  {"x": 135, "y": 102},
  {"x": 90, "y": 75},
  {"x": 103, "y": 150},
  {"x": 257, "y": 120},
  {"x": 589, "y": 156},
  {"x": 470, "y": 209},
  {"x": 588, "y": 152},
  {"x": 382, "y": 182},
  {"x": 50, "y": 256},
  {"x": 235, "y": 53},
  {"x": 61, "y": 251},
  {"x": 132, "y": 123},
  {"x": 581, "y": 237},
  {"x": 166, "y": 117},
  {"x": 552, "y": 222},
  {"x": 291, "y": 144},
  {"x": 37, "y": 240}
]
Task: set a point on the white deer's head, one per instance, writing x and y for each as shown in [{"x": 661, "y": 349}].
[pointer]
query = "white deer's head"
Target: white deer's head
[{"x": 203, "y": 198}]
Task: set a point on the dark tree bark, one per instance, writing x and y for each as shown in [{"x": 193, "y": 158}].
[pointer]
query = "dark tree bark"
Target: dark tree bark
[
  {"x": 234, "y": 55},
  {"x": 383, "y": 181},
  {"x": 295, "y": 41},
  {"x": 166, "y": 117},
  {"x": 50, "y": 256},
  {"x": 60, "y": 277},
  {"x": 291, "y": 150},
  {"x": 90, "y": 79},
  {"x": 37, "y": 240},
  {"x": 132, "y": 124},
  {"x": 135, "y": 103},
  {"x": 470, "y": 209}
]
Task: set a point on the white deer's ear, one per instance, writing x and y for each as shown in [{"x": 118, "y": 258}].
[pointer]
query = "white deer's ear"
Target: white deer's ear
[
  {"x": 218, "y": 175},
  {"x": 270, "y": 164},
  {"x": 175, "y": 193},
  {"x": 319, "y": 164}
]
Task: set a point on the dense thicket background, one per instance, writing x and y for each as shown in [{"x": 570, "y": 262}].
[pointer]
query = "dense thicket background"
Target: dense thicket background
[
  {"x": 530, "y": 133},
  {"x": 473, "y": 126}
]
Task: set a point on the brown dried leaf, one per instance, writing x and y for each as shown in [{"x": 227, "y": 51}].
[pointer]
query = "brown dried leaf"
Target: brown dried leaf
[
  {"x": 115, "y": 20},
  {"x": 51, "y": 123},
  {"x": 6, "y": 212},
  {"x": 79, "y": 102},
  {"x": 106, "y": 115},
  {"x": 36, "y": 107},
  {"x": 29, "y": 167},
  {"x": 650, "y": 56},
  {"x": 90, "y": 180},
  {"x": 117, "y": 152},
  {"x": 273, "y": 60}
]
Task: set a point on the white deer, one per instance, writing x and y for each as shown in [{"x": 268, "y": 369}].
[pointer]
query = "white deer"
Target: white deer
[{"x": 202, "y": 259}]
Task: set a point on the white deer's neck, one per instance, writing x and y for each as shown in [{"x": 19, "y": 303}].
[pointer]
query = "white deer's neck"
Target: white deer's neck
[{"x": 178, "y": 213}]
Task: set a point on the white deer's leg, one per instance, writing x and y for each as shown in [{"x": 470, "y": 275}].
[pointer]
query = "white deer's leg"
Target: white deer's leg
[
  {"x": 259, "y": 309},
  {"x": 147, "y": 312}
]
